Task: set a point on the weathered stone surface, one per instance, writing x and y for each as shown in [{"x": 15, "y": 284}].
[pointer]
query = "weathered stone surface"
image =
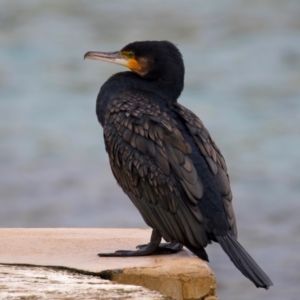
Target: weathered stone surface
[
  {"x": 181, "y": 276},
  {"x": 32, "y": 283}
]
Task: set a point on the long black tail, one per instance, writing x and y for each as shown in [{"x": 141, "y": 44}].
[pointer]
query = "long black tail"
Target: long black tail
[{"x": 243, "y": 261}]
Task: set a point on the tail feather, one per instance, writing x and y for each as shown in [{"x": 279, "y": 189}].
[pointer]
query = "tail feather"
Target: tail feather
[{"x": 243, "y": 261}]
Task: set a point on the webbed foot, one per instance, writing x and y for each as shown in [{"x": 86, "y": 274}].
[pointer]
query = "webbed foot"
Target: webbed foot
[
  {"x": 164, "y": 248},
  {"x": 154, "y": 247}
]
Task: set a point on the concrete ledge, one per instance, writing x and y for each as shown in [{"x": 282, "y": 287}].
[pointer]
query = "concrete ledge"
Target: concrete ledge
[
  {"x": 180, "y": 276},
  {"x": 34, "y": 283}
]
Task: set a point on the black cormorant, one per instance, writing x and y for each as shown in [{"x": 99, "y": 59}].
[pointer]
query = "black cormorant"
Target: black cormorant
[{"x": 165, "y": 160}]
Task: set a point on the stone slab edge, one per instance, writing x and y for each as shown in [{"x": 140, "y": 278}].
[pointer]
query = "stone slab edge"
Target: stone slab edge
[
  {"x": 183, "y": 285},
  {"x": 180, "y": 276}
]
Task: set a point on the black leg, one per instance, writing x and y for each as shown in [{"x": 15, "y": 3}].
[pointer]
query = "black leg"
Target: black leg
[{"x": 154, "y": 247}]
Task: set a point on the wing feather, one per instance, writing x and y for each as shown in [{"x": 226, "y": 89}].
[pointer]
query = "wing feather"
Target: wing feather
[
  {"x": 213, "y": 157},
  {"x": 150, "y": 160}
]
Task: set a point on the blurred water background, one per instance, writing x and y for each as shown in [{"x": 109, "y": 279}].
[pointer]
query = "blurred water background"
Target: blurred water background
[{"x": 242, "y": 62}]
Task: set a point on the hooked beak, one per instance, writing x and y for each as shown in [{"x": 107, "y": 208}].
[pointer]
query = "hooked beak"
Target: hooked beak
[{"x": 112, "y": 57}]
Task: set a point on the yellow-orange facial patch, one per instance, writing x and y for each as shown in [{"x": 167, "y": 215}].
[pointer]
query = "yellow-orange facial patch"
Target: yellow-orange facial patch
[
  {"x": 139, "y": 66},
  {"x": 133, "y": 65}
]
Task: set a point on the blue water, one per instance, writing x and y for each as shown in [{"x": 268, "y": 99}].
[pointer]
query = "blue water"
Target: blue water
[{"x": 242, "y": 78}]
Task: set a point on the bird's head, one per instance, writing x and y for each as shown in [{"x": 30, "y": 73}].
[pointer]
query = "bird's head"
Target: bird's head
[{"x": 152, "y": 60}]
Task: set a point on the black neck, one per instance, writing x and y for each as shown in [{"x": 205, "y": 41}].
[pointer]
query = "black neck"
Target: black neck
[{"x": 166, "y": 87}]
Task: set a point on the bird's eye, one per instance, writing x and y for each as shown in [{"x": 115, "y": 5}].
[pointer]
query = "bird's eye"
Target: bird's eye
[{"x": 130, "y": 55}]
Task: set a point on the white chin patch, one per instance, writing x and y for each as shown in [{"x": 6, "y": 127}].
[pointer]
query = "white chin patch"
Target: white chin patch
[{"x": 121, "y": 61}]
